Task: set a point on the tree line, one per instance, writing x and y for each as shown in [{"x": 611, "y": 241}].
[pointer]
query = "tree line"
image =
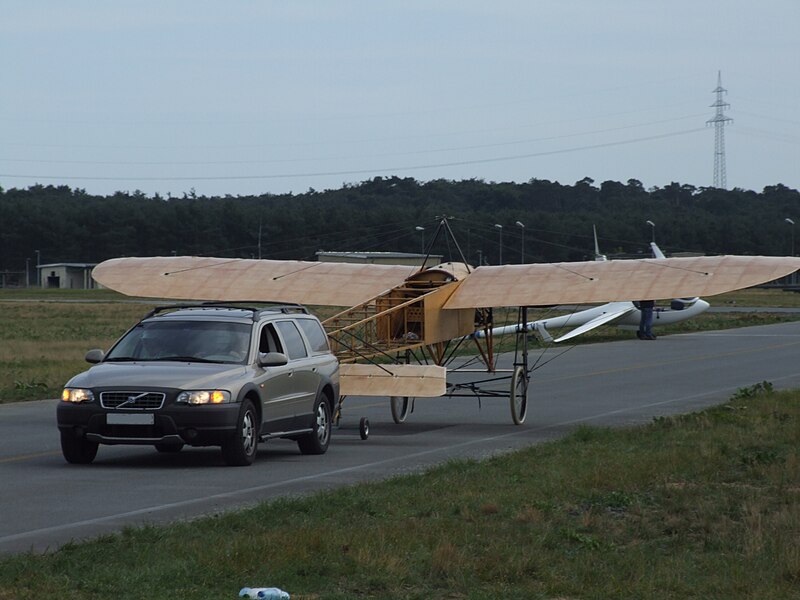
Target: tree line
[{"x": 540, "y": 221}]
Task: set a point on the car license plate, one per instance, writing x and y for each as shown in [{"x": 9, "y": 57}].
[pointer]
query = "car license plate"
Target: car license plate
[{"x": 130, "y": 419}]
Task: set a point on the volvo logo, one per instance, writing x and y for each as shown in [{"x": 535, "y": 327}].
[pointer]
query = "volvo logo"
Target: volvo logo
[{"x": 131, "y": 400}]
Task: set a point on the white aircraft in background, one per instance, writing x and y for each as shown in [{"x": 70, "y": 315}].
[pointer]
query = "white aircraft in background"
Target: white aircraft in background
[{"x": 625, "y": 315}]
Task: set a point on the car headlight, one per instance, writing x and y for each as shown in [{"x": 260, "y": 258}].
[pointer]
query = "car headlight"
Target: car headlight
[
  {"x": 204, "y": 397},
  {"x": 77, "y": 395}
]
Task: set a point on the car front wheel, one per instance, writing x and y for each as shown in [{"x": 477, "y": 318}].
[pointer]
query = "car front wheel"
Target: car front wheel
[
  {"x": 77, "y": 450},
  {"x": 240, "y": 449}
]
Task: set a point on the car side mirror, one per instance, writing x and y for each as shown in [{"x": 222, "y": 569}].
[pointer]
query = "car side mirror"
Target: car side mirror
[
  {"x": 94, "y": 356},
  {"x": 272, "y": 359}
]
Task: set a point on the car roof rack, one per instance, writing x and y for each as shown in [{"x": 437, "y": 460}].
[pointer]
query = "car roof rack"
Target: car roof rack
[{"x": 248, "y": 305}]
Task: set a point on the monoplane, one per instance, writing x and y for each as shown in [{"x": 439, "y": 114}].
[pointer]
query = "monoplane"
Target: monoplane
[{"x": 404, "y": 327}]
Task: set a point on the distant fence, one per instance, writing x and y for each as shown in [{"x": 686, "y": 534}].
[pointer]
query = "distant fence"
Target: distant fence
[{"x": 790, "y": 283}]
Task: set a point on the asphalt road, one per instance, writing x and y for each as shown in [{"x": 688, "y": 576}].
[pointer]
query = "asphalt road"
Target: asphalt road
[{"x": 45, "y": 502}]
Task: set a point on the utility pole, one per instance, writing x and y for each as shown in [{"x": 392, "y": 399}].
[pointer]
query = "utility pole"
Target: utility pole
[
  {"x": 521, "y": 225},
  {"x": 422, "y": 232},
  {"x": 718, "y": 120},
  {"x": 500, "y": 227},
  {"x": 791, "y": 222}
]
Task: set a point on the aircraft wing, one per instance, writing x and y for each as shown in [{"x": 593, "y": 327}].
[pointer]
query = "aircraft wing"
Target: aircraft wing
[
  {"x": 197, "y": 278},
  {"x": 597, "y": 322},
  {"x": 618, "y": 280}
]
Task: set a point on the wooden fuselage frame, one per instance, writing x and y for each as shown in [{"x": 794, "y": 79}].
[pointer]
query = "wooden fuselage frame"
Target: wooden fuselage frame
[{"x": 406, "y": 317}]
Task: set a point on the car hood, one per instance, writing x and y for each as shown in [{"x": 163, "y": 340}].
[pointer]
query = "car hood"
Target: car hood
[{"x": 177, "y": 375}]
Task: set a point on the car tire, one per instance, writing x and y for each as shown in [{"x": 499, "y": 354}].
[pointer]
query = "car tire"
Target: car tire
[
  {"x": 240, "y": 449},
  {"x": 318, "y": 439},
  {"x": 77, "y": 450}
]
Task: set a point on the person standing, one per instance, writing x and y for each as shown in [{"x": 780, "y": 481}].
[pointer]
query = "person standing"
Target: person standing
[{"x": 645, "y": 331}]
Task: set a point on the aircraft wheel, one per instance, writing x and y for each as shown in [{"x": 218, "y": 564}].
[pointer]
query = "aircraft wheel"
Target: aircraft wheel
[
  {"x": 400, "y": 406},
  {"x": 518, "y": 396},
  {"x": 363, "y": 428}
]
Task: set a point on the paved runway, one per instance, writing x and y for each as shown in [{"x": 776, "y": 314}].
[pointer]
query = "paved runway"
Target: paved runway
[{"x": 45, "y": 502}]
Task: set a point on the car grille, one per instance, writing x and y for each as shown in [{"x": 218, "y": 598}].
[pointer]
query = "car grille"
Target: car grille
[{"x": 141, "y": 400}]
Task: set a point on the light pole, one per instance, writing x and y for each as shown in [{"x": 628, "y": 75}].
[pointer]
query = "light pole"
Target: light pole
[
  {"x": 790, "y": 222},
  {"x": 422, "y": 231},
  {"x": 500, "y": 227},
  {"x": 28, "y": 272},
  {"x": 521, "y": 225},
  {"x": 38, "y": 270},
  {"x": 653, "y": 225}
]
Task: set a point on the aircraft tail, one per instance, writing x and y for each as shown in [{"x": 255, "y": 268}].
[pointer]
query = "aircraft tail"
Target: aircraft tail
[{"x": 597, "y": 256}]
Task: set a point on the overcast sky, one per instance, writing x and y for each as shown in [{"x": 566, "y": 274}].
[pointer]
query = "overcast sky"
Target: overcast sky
[{"x": 247, "y": 97}]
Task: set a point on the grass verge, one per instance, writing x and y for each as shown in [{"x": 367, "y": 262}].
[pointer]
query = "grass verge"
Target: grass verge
[{"x": 704, "y": 505}]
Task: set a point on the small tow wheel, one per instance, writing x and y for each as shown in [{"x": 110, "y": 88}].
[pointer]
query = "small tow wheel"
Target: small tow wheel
[{"x": 363, "y": 428}]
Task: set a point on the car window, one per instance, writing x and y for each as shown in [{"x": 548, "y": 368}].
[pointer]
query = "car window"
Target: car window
[
  {"x": 295, "y": 347},
  {"x": 269, "y": 341},
  {"x": 314, "y": 334},
  {"x": 210, "y": 341}
]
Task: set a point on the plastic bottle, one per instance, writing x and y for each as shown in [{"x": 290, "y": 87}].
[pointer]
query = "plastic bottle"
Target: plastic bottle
[{"x": 271, "y": 593}]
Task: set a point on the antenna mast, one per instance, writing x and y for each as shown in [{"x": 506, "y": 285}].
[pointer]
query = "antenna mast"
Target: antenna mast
[{"x": 719, "y": 119}]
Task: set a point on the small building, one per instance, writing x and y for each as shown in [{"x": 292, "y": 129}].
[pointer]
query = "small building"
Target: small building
[
  {"x": 69, "y": 276},
  {"x": 380, "y": 258},
  {"x": 12, "y": 279}
]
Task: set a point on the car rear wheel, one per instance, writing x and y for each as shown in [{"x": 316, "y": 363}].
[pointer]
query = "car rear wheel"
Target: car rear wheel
[
  {"x": 317, "y": 440},
  {"x": 240, "y": 449},
  {"x": 77, "y": 450}
]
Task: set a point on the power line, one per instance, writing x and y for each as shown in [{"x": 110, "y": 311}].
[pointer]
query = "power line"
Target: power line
[
  {"x": 339, "y": 157},
  {"x": 357, "y": 171}
]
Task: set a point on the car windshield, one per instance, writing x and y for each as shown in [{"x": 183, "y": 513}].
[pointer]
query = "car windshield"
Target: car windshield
[{"x": 191, "y": 341}]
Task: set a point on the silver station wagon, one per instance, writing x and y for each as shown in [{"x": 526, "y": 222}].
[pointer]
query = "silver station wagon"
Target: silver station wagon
[{"x": 223, "y": 375}]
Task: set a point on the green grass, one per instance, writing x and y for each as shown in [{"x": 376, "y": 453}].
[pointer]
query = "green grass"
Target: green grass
[
  {"x": 42, "y": 344},
  {"x": 705, "y": 505}
]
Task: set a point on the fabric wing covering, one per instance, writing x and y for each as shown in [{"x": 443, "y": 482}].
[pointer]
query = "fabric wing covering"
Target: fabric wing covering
[
  {"x": 610, "y": 281},
  {"x": 196, "y": 278},
  {"x": 349, "y": 284}
]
